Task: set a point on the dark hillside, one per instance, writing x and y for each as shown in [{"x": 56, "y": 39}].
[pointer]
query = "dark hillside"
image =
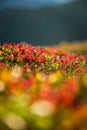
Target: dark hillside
[{"x": 48, "y": 25}]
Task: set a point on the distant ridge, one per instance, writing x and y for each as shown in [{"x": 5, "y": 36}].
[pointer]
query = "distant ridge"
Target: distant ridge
[{"x": 47, "y": 25}]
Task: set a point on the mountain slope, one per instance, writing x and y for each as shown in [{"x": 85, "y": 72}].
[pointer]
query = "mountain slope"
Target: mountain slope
[{"x": 48, "y": 25}]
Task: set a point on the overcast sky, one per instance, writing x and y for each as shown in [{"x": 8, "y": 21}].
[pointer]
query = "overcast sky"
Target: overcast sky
[{"x": 29, "y": 3}]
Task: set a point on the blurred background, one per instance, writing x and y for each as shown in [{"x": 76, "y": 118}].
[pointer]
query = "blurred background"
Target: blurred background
[{"x": 43, "y": 22}]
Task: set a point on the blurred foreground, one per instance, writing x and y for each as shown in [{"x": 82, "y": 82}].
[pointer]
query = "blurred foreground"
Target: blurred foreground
[{"x": 42, "y": 88}]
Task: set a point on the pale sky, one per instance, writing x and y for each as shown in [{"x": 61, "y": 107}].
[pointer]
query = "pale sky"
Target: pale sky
[{"x": 29, "y": 3}]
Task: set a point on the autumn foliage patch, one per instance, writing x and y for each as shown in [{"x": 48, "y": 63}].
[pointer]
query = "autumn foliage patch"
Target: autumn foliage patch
[{"x": 42, "y": 88}]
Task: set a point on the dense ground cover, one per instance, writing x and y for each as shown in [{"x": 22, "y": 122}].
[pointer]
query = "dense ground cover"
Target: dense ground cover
[{"x": 42, "y": 88}]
